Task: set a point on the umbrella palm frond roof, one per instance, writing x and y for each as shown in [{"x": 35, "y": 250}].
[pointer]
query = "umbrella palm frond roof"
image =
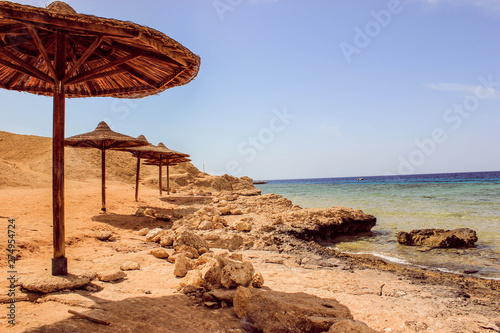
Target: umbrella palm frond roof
[
  {"x": 155, "y": 152},
  {"x": 104, "y": 57},
  {"x": 104, "y": 138}
]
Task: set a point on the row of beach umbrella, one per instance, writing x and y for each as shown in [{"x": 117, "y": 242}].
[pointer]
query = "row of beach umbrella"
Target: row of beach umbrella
[
  {"x": 57, "y": 52},
  {"x": 103, "y": 138}
]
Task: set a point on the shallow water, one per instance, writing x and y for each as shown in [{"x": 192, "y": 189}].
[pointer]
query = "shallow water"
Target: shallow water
[{"x": 404, "y": 203}]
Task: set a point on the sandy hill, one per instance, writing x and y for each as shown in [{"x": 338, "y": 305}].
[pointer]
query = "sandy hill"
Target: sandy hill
[{"x": 26, "y": 161}]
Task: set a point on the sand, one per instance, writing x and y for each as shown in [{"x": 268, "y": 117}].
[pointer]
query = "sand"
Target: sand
[{"x": 387, "y": 298}]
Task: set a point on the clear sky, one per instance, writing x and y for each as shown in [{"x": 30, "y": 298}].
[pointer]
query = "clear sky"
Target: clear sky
[{"x": 307, "y": 89}]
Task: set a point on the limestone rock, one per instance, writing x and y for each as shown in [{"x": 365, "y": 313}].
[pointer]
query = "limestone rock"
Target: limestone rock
[
  {"x": 103, "y": 235},
  {"x": 273, "y": 311},
  {"x": 243, "y": 226},
  {"x": 182, "y": 265},
  {"x": 45, "y": 283},
  {"x": 205, "y": 225},
  {"x": 143, "y": 232},
  {"x": 159, "y": 252},
  {"x": 130, "y": 266},
  {"x": 236, "y": 211},
  {"x": 71, "y": 299},
  {"x": 223, "y": 295},
  {"x": 324, "y": 224},
  {"x": 211, "y": 273},
  {"x": 224, "y": 210},
  {"x": 111, "y": 275},
  {"x": 236, "y": 273},
  {"x": 192, "y": 278},
  {"x": 173, "y": 257},
  {"x": 140, "y": 212},
  {"x": 190, "y": 239},
  {"x": 167, "y": 240},
  {"x": 236, "y": 256},
  {"x": 438, "y": 238},
  {"x": 154, "y": 233},
  {"x": 150, "y": 212},
  {"x": 351, "y": 326},
  {"x": 223, "y": 240},
  {"x": 189, "y": 251},
  {"x": 244, "y": 186},
  {"x": 257, "y": 280}
]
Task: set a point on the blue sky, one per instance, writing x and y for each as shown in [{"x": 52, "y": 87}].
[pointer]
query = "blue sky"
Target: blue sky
[{"x": 306, "y": 89}]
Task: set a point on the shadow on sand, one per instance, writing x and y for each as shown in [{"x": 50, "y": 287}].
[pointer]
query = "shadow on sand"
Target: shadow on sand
[{"x": 175, "y": 313}]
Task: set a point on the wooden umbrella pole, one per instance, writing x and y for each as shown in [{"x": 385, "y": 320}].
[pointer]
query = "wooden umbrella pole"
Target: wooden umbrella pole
[
  {"x": 103, "y": 174},
  {"x": 168, "y": 179},
  {"x": 137, "y": 178},
  {"x": 59, "y": 261},
  {"x": 160, "y": 175}
]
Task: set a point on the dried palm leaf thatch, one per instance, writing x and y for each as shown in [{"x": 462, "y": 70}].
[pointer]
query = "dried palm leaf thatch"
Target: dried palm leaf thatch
[
  {"x": 104, "y": 57},
  {"x": 155, "y": 152},
  {"x": 104, "y": 138}
]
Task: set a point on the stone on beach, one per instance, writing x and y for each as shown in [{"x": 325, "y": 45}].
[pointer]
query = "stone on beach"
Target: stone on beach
[
  {"x": 324, "y": 224},
  {"x": 236, "y": 273},
  {"x": 258, "y": 280},
  {"x": 159, "y": 252},
  {"x": 111, "y": 275},
  {"x": 438, "y": 238},
  {"x": 192, "y": 278},
  {"x": 130, "y": 266},
  {"x": 243, "y": 225},
  {"x": 103, "y": 235},
  {"x": 273, "y": 311},
  {"x": 350, "y": 326},
  {"x": 167, "y": 240},
  {"x": 190, "y": 239},
  {"x": 45, "y": 283},
  {"x": 143, "y": 232},
  {"x": 154, "y": 234},
  {"x": 182, "y": 265}
]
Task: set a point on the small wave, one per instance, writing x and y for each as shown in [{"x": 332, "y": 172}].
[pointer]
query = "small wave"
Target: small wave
[
  {"x": 382, "y": 256},
  {"x": 400, "y": 261}
]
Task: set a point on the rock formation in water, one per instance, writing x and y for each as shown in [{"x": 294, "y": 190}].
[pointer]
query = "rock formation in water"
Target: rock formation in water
[{"x": 438, "y": 238}]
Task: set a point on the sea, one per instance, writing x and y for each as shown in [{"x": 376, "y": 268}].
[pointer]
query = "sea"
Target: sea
[{"x": 408, "y": 202}]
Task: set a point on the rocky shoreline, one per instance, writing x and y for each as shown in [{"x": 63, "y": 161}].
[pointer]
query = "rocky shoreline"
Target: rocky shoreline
[{"x": 176, "y": 263}]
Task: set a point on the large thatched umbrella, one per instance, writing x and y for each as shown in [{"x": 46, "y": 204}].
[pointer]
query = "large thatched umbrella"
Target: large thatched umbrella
[
  {"x": 156, "y": 155},
  {"x": 58, "y": 52},
  {"x": 103, "y": 138}
]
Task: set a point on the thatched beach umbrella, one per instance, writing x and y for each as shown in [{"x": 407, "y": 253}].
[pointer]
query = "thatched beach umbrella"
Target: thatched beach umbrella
[
  {"x": 140, "y": 152},
  {"x": 103, "y": 138},
  {"x": 58, "y": 52},
  {"x": 160, "y": 154},
  {"x": 168, "y": 157}
]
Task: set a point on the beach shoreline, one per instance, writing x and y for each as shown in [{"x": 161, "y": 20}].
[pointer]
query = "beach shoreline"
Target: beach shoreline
[
  {"x": 273, "y": 238},
  {"x": 387, "y": 297}
]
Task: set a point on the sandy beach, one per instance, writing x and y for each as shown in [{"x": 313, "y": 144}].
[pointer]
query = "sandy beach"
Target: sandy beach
[{"x": 386, "y": 297}]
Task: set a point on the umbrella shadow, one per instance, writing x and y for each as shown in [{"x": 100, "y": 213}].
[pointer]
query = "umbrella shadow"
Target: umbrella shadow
[
  {"x": 187, "y": 200},
  {"x": 175, "y": 313},
  {"x": 131, "y": 222}
]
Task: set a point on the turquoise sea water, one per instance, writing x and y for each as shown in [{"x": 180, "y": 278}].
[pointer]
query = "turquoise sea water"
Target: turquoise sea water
[{"x": 404, "y": 203}]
